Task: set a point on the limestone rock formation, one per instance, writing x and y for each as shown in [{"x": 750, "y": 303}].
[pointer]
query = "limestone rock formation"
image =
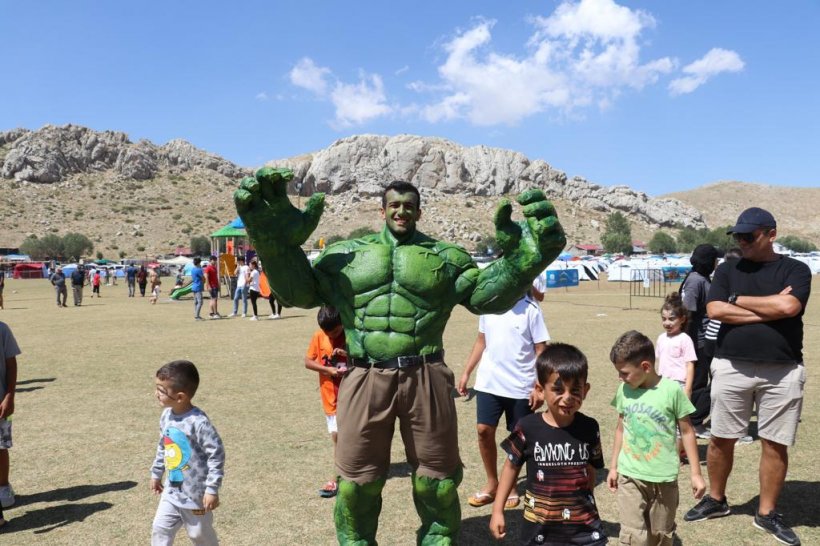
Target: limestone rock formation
[
  {"x": 52, "y": 153},
  {"x": 365, "y": 163}
]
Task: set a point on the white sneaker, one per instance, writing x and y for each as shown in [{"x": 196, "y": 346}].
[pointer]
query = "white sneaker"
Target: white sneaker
[
  {"x": 702, "y": 432},
  {"x": 273, "y": 316},
  {"x": 276, "y": 316},
  {"x": 232, "y": 315},
  {"x": 243, "y": 315},
  {"x": 745, "y": 440},
  {"x": 6, "y": 496},
  {"x": 254, "y": 318}
]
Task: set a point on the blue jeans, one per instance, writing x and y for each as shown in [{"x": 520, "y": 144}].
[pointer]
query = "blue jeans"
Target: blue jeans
[
  {"x": 197, "y": 303},
  {"x": 241, "y": 292}
]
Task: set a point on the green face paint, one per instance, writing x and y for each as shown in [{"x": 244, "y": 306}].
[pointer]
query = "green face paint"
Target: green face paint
[{"x": 401, "y": 212}]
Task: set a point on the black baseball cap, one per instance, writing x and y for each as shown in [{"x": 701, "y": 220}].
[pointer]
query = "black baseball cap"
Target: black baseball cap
[{"x": 752, "y": 219}]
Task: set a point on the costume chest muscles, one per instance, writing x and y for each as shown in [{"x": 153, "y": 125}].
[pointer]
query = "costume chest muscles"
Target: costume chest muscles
[{"x": 415, "y": 269}]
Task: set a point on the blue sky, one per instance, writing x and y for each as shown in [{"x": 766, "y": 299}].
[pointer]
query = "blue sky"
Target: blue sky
[{"x": 661, "y": 96}]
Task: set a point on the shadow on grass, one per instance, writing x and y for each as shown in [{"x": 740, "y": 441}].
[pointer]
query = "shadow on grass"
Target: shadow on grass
[
  {"x": 399, "y": 470},
  {"x": 34, "y": 388},
  {"x": 476, "y": 530},
  {"x": 74, "y": 493},
  {"x": 794, "y": 503},
  {"x": 54, "y": 517}
]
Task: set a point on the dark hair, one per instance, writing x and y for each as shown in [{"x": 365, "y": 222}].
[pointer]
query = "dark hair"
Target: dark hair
[
  {"x": 197, "y": 261},
  {"x": 564, "y": 359},
  {"x": 182, "y": 374},
  {"x": 328, "y": 318},
  {"x": 674, "y": 304},
  {"x": 212, "y": 257},
  {"x": 632, "y": 348},
  {"x": 241, "y": 258},
  {"x": 400, "y": 186}
]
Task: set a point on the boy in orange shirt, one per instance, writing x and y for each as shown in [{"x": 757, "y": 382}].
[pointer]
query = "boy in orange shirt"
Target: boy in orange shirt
[{"x": 326, "y": 354}]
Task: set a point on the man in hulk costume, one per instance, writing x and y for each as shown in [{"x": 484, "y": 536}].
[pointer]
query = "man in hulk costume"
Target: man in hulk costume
[{"x": 395, "y": 291}]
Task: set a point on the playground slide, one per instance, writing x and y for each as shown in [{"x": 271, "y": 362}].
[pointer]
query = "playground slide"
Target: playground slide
[{"x": 181, "y": 291}]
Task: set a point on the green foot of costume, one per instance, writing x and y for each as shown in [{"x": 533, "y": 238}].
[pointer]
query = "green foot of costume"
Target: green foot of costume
[
  {"x": 357, "y": 512},
  {"x": 358, "y": 506},
  {"x": 438, "y": 507}
]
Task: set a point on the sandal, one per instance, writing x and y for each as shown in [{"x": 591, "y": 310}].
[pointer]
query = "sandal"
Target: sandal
[
  {"x": 512, "y": 502},
  {"x": 328, "y": 490},
  {"x": 480, "y": 498}
]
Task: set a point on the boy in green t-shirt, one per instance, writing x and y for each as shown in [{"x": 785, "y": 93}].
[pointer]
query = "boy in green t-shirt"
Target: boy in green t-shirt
[{"x": 645, "y": 452}]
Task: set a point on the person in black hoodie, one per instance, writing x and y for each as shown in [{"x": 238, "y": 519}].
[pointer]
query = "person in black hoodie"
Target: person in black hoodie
[{"x": 695, "y": 288}]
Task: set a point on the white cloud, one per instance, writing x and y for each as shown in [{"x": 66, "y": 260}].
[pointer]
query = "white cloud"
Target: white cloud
[
  {"x": 584, "y": 53},
  {"x": 360, "y": 102},
  {"x": 261, "y": 96},
  {"x": 354, "y": 103},
  {"x": 309, "y": 76},
  {"x": 599, "y": 19},
  {"x": 715, "y": 62}
]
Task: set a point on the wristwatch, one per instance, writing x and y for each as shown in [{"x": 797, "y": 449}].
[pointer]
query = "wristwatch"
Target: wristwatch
[{"x": 733, "y": 299}]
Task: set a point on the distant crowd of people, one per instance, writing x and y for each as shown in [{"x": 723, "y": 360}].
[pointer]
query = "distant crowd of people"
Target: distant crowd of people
[{"x": 202, "y": 279}]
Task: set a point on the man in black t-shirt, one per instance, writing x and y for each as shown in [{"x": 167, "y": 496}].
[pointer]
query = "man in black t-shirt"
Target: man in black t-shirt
[{"x": 760, "y": 300}]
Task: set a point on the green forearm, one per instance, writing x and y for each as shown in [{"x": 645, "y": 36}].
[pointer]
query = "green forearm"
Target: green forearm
[
  {"x": 291, "y": 277},
  {"x": 499, "y": 286}
]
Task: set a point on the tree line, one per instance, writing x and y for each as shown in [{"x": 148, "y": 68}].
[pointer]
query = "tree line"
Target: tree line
[
  {"x": 70, "y": 246},
  {"x": 617, "y": 239}
]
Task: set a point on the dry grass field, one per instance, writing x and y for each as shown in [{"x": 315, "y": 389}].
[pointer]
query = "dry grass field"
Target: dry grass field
[{"x": 86, "y": 423}]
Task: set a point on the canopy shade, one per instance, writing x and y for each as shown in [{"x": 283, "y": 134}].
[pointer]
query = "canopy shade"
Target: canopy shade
[{"x": 229, "y": 231}]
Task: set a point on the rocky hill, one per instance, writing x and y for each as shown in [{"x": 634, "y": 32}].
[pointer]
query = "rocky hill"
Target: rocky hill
[
  {"x": 143, "y": 199},
  {"x": 795, "y": 209}
]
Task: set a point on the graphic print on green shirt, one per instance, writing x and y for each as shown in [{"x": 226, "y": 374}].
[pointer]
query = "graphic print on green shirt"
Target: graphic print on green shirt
[{"x": 649, "y": 451}]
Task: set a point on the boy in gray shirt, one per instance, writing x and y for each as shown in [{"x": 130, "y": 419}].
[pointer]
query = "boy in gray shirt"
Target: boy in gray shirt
[{"x": 190, "y": 454}]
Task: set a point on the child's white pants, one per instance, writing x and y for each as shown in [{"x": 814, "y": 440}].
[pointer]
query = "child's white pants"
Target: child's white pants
[{"x": 170, "y": 518}]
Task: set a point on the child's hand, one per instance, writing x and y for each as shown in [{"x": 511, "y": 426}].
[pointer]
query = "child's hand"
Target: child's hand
[
  {"x": 698, "y": 486},
  {"x": 462, "y": 385},
  {"x": 612, "y": 480},
  {"x": 498, "y": 527},
  {"x": 339, "y": 352},
  {"x": 210, "y": 502},
  {"x": 7, "y": 406},
  {"x": 156, "y": 486},
  {"x": 535, "y": 400}
]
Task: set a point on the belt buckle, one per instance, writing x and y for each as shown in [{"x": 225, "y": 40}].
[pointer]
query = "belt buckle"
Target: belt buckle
[{"x": 405, "y": 361}]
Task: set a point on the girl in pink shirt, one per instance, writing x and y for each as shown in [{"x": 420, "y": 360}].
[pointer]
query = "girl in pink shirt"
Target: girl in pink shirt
[{"x": 675, "y": 352}]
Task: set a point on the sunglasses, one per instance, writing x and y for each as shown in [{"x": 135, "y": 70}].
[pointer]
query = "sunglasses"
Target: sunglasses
[{"x": 748, "y": 237}]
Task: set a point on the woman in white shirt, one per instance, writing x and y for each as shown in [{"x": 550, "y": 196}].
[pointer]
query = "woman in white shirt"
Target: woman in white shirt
[{"x": 254, "y": 291}]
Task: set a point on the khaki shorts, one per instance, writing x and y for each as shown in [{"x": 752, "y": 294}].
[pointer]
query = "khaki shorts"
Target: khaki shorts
[
  {"x": 776, "y": 389},
  {"x": 647, "y": 511},
  {"x": 370, "y": 401}
]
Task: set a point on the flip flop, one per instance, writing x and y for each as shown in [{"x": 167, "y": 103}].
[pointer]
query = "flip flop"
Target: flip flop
[
  {"x": 512, "y": 502},
  {"x": 328, "y": 490},
  {"x": 480, "y": 498}
]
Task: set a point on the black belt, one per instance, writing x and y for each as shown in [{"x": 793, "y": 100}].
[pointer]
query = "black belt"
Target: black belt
[{"x": 398, "y": 362}]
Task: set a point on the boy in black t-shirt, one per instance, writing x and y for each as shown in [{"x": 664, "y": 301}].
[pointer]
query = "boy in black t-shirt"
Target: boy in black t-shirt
[{"x": 562, "y": 449}]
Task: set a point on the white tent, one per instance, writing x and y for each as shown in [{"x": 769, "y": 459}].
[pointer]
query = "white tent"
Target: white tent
[
  {"x": 177, "y": 261},
  {"x": 586, "y": 270}
]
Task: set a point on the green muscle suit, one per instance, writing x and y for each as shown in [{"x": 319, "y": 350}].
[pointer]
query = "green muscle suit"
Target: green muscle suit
[{"x": 395, "y": 291}]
